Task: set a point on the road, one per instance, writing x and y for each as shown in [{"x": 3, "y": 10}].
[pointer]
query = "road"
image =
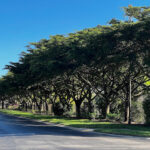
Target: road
[{"x": 24, "y": 134}]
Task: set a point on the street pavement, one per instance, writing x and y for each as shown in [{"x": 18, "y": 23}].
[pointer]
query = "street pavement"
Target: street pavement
[{"x": 25, "y": 134}]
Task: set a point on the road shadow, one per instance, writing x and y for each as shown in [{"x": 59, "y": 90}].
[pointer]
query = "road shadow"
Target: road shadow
[{"x": 16, "y": 126}]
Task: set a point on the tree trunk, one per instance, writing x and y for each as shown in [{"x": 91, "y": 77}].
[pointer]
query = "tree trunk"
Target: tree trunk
[
  {"x": 46, "y": 107},
  {"x": 54, "y": 109},
  {"x": 78, "y": 108},
  {"x": 126, "y": 107},
  {"x": 130, "y": 97},
  {"x": 39, "y": 107},
  {"x": 106, "y": 109},
  {"x": 2, "y": 104},
  {"x": 90, "y": 107},
  {"x": 26, "y": 107},
  {"x": 126, "y": 115},
  {"x": 34, "y": 106}
]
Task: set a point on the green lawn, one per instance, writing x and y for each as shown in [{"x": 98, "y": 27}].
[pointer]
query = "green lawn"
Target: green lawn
[{"x": 105, "y": 127}]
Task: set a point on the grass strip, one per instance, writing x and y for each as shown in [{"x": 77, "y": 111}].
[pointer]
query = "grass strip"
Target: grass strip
[{"x": 105, "y": 127}]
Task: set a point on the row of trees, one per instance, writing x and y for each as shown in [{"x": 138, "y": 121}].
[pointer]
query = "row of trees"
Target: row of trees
[{"x": 106, "y": 65}]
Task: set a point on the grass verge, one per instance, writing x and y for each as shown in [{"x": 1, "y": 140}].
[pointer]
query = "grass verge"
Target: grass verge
[{"x": 105, "y": 127}]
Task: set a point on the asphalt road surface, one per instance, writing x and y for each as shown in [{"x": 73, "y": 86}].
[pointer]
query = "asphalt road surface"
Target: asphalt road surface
[{"x": 24, "y": 134}]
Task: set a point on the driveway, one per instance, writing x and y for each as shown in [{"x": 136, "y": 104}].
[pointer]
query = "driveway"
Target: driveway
[{"x": 25, "y": 134}]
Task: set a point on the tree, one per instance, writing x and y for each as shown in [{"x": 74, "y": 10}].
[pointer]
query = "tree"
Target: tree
[{"x": 139, "y": 13}]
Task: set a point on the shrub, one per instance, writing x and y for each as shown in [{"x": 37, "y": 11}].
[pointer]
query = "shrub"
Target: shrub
[
  {"x": 113, "y": 117},
  {"x": 58, "y": 109},
  {"x": 146, "y": 106},
  {"x": 137, "y": 112},
  {"x": 61, "y": 109},
  {"x": 14, "y": 107}
]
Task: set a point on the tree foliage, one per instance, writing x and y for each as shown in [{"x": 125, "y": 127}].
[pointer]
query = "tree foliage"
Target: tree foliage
[{"x": 94, "y": 63}]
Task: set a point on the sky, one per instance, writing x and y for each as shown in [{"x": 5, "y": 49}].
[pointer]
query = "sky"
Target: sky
[{"x": 25, "y": 21}]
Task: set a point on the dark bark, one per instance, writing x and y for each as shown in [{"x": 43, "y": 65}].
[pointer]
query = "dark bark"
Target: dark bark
[
  {"x": 39, "y": 107},
  {"x": 26, "y": 107},
  {"x": 106, "y": 109},
  {"x": 46, "y": 107},
  {"x": 90, "y": 107},
  {"x": 126, "y": 115},
  {"x": 2, "y": 104},
  {"x": 130, "y": 97},
  {"x": 127, "y": 109},
  {"x": 78, "y": 108},
  {"x": 54, "y": 109}
]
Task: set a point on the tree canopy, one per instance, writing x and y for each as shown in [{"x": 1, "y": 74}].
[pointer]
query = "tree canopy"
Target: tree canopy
[{"x": 89, "y": 64}]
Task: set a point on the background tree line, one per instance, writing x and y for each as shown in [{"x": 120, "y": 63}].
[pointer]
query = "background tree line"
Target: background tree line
[{"x": 99, "y": 70}]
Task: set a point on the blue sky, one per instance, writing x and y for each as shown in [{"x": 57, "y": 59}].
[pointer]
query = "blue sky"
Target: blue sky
[{"x": 24, "y": 21}]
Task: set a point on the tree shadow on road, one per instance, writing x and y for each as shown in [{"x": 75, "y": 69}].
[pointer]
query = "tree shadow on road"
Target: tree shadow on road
[{"x": 14, "y": 126}]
